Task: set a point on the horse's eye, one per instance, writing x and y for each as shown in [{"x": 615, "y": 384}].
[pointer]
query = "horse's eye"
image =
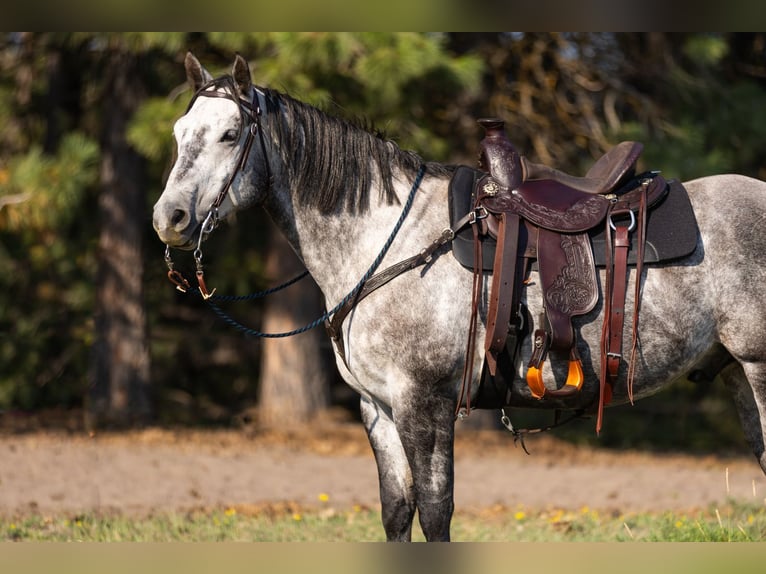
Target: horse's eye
[{"x": 229, "y": 136}]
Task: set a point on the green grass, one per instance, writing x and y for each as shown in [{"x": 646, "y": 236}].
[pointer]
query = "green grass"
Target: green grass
[{"x": 734, "y": 523}]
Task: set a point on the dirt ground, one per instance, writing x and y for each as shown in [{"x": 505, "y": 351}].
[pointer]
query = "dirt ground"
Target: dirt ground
[{"x": 154, "y": 471}]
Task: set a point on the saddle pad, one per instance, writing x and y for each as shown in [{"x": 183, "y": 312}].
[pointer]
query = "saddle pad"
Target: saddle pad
[
  {"x": 671, "y": 230},
  {"x": 461, "y": 200},
  {"x": 671, "y": 226}
]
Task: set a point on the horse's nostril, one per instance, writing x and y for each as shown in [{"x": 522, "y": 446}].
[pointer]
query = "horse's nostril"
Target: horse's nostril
[{"x": 178, "y": 216}]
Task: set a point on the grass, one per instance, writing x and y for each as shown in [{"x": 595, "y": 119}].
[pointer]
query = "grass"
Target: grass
[{"x": 734, "y": 523}]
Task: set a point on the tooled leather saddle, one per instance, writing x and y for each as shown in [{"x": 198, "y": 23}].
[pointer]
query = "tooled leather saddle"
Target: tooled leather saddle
[{"x": 526, "y": 214}]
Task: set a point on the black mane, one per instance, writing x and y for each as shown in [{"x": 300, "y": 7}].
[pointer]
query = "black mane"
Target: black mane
[{"x": 333, "y": 161}]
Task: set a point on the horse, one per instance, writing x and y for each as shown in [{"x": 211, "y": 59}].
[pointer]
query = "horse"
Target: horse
[{"x": 341, "y": 193}]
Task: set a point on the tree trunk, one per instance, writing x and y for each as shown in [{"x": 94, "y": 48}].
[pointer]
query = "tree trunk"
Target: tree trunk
[
  {"x": 119, "y": 369},
  {"x": 296, "y": 372}
]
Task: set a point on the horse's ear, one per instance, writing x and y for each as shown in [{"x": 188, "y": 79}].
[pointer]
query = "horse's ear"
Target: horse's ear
[
  {"x": 195, "y": 73},
  {"x": 241, "y": 74}
]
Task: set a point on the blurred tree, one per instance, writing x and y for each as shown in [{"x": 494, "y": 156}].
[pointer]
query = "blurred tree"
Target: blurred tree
[
  {"x": 119, "y": 372},
  {"x": 296, "y": 374}
]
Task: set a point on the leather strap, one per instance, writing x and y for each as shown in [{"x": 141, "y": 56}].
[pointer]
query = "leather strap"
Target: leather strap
[
  {"x": 503, "y": 281},
  {"x": 617, "y": 309},
  {"x": 615, "y": 288},
  {"x": 470, "y": 351},
  {"x": 333, "y": 325}
]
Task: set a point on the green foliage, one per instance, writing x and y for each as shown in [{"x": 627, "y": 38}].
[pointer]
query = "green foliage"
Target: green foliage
[
  {"x": 46, "y": 294},
  {"x": 706, "y": 50},
  {"x": 45, "y": 192},
  {"x": 151, "y": 130}
]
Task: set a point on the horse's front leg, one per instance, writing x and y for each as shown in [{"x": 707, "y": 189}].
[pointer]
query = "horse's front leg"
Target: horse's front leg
[
  {"x": 426, "y": 424},
  {"x": 397, "y": 496}
]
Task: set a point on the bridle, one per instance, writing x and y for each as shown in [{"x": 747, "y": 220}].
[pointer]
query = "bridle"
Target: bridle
[{"x": 251, "y": 113}]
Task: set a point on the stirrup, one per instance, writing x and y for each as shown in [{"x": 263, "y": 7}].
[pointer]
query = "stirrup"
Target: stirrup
[{"x": 575, "y": 377}]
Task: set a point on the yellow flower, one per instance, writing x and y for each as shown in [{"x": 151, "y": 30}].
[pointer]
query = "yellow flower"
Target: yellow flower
[
  {"x": 679, "y": 523},
  {"x": 297, "y": 517},
  {"x": 357, "y": 508},
  {"x": 230, "y": 512},
  {"x": 520, "y": 515},
  {"x": 324, "y": 497},
  {"x": 556, "y": 517}
]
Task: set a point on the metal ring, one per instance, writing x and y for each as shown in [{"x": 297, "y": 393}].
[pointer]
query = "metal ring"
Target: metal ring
[
  {"x": 210, "y": 222},
  {"x": 632, "y": 221}
]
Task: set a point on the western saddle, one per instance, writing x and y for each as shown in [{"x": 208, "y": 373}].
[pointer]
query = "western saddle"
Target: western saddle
[{"x": 539, "y": 214}]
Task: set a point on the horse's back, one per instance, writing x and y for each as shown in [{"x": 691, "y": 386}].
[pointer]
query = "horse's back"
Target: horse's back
[{"x": 731, "y": 212}]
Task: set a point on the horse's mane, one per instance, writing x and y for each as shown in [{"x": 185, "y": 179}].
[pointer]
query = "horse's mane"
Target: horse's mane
[{"x": 333, "y": 161}]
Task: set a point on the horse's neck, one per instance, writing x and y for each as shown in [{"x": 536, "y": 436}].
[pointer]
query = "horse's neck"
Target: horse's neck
[{"x": 339, "y": 248}]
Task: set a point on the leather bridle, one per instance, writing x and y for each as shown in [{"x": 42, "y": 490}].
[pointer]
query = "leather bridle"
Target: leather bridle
[{"x": 251, "y": 113}]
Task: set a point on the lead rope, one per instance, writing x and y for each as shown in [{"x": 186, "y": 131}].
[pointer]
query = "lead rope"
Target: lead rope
[{"x": 183, "y": 285}]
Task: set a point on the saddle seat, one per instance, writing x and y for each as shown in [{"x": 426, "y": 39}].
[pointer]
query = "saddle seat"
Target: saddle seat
[
  {"x": 502, "y": 161},
  {"x": 608, "y": 173},
  {"x": 521, "y": 202}
]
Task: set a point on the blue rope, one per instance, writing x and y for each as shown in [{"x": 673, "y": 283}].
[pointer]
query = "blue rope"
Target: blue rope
[
  {"x": 258, "y": 294},
  {"x": 353, "y": 293}
]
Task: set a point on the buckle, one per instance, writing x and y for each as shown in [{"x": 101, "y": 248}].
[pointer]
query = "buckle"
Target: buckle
[{"x": 478, "y": 214}]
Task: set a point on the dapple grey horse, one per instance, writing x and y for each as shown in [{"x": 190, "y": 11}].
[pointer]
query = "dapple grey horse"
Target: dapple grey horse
[{"x": 337, "y": 192}]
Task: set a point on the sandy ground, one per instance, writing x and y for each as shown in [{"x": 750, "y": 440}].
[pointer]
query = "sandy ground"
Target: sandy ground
[{"x": 154, "y": 471}]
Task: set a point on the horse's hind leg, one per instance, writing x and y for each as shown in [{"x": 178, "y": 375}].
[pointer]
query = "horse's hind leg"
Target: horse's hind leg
[
  {"x": 747, "y": 382},
  {"x": 397, "y": 496}
]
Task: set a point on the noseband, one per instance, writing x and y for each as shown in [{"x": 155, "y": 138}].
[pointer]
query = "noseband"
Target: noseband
[{"x": 251, "y": 113}]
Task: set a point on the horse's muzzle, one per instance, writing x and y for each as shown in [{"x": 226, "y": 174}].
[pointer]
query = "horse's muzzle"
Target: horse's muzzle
[{"x": 175, "y": 227}]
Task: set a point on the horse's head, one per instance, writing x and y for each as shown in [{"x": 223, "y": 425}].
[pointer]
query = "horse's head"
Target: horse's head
[{"x": 214, "y": 138}]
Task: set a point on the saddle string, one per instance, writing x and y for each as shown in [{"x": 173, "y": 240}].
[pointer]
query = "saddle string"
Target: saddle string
[{"x": 641, "y": 234}]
